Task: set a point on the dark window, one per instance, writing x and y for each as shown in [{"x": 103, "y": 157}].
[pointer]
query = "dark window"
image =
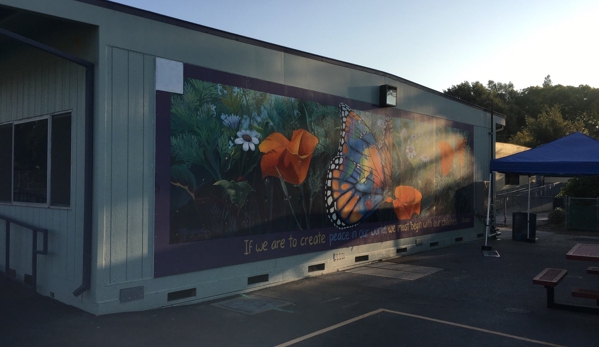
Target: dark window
[
  {"x": 512, "y": 179},
  {"x": 5, "y": 162},
  {"x": 60, "y": 161},
  {"x": 29, "y": 161}
]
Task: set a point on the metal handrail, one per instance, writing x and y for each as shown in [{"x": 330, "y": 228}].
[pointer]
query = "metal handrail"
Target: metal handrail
[{"x": 34, "y": 251}]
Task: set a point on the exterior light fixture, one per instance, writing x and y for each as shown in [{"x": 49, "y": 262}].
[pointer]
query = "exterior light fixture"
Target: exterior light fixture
[{"x": 387, "y": 96}]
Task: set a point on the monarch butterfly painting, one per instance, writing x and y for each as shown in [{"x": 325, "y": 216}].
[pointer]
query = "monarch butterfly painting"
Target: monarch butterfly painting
[{"x": 360, "y": 173}]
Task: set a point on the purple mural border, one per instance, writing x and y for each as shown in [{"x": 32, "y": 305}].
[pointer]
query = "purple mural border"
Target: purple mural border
[{"x": 173, "y": 259}]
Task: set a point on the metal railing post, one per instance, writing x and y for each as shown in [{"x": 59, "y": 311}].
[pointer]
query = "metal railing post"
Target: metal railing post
[
  {"x": 34, "y": 260},
  {"x": 34, "y": 247}
]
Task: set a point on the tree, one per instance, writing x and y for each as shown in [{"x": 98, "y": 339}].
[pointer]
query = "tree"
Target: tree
[
  {"x": 578, "y": 108},
  {"x": 581, "y": 187},
  {"x": 547, "y": 82},
  {"x": 497, "y": 97},
  {"x": 548, "y": 126}
]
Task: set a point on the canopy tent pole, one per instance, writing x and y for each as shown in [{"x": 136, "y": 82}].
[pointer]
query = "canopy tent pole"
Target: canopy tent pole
[
  {"x": 488, "y": 223},
  {"x": 528, "y": 213}
]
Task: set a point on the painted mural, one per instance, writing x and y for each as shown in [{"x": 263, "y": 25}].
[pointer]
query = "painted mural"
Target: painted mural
[{"x": 259, "y": 170}]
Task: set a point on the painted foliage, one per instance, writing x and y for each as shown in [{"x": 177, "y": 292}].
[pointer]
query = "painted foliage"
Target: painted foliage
[{"x": 270, "y": 165}]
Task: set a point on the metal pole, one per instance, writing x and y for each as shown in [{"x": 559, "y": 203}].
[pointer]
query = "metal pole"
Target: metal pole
[
  {"x": 488, "y": 211},
  {"x": 567, "y": 203},
  {"x": 528, "y": 212},
  {"x": 505, "y": 211}
]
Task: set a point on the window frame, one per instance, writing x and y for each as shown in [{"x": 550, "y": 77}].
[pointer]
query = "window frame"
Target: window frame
[{"x": 49, "y": 117}]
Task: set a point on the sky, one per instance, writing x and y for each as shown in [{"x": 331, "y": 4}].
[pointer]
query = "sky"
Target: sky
[{"x": 435, "y": 43}]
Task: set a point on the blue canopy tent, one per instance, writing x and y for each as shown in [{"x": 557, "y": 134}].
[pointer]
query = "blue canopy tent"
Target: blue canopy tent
[{"x": 573, "y": 155}]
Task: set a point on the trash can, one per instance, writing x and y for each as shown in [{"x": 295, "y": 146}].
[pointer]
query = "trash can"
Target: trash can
[{"x": 520, "y": 227}]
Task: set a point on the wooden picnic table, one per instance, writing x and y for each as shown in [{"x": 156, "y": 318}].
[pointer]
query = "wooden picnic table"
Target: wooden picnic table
[{"x": 584, "y": 251}]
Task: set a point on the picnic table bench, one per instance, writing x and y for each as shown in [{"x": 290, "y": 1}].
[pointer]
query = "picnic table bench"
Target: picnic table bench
[{"x": 550, "y": 278}]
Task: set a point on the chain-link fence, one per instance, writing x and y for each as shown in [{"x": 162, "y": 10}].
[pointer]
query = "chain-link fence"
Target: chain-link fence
[
  {"x": 517, "y": 200},
  {"x": 582, "y": 214}
]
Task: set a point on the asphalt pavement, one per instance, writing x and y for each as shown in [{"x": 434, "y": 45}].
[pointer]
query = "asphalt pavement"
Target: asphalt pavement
[{"x": 452, "y": 296}]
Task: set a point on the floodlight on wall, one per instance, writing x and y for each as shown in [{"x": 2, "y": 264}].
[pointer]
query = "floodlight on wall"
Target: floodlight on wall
[{"x": 387, "y": 96}]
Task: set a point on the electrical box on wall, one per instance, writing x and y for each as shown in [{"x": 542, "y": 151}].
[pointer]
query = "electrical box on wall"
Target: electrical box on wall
[{"x": 387, "y": 96}]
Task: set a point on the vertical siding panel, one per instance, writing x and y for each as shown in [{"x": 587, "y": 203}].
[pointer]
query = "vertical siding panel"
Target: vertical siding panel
[
  {"x": 5, "y": 115},
  {"x": 149, "y": 124},
  {"x": 56, "y": 235},
  {"x": 14, "y": 107},
  {"x": 135, "y": 167},
  {"x": 25, "y": 94},
  {"x": 12, "y": 98},
  {"x": 118, "y": 227},
  {"x": 17, "y": 96},
  {"x": 44, "y": 263},
  {"x": 8, "y": 97},
  {"x": 64, "y": 225},
  {"x": 37, "y": 89},
  {"x": 65, "y": 87},
  {"x": 102, "y": 170},
  {"x": 56, "y": 83},
  {"x": 44, "y": 65},
  {"x": 52, "y": 224}
]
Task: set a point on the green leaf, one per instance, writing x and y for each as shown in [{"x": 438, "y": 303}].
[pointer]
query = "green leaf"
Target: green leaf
[
  {"x": 237, "y": 191},
  {"x": 182, "y": 177}
]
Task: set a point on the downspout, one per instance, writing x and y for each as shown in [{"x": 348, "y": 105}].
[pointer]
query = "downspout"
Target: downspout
[
  {"x": 492, "y": 179},
  {"x": 486, "y": 247},
  {"x": 89, "y": 152}
]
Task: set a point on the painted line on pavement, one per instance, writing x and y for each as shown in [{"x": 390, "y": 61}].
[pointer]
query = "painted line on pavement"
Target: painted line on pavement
[
  {"x": 349, "y": 321},
  {"x": 332, "y": 327}
]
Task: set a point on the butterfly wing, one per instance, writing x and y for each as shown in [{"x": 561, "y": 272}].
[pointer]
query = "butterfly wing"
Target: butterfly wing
[{"x": 359, "y": 173}]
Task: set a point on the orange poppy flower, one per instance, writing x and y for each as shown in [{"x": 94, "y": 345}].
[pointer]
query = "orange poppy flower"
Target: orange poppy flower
[
  {"x": 447, "y": 154},
  {"x": 290, "y": 158},
  {"x": 407, "y": 202}
]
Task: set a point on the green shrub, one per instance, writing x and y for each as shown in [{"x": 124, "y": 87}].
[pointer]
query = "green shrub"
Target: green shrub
[{"x": 557, "y": 216}]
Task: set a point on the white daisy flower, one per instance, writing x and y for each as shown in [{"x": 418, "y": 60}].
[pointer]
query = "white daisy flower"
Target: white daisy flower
[{"x": 247, "y": 138}]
